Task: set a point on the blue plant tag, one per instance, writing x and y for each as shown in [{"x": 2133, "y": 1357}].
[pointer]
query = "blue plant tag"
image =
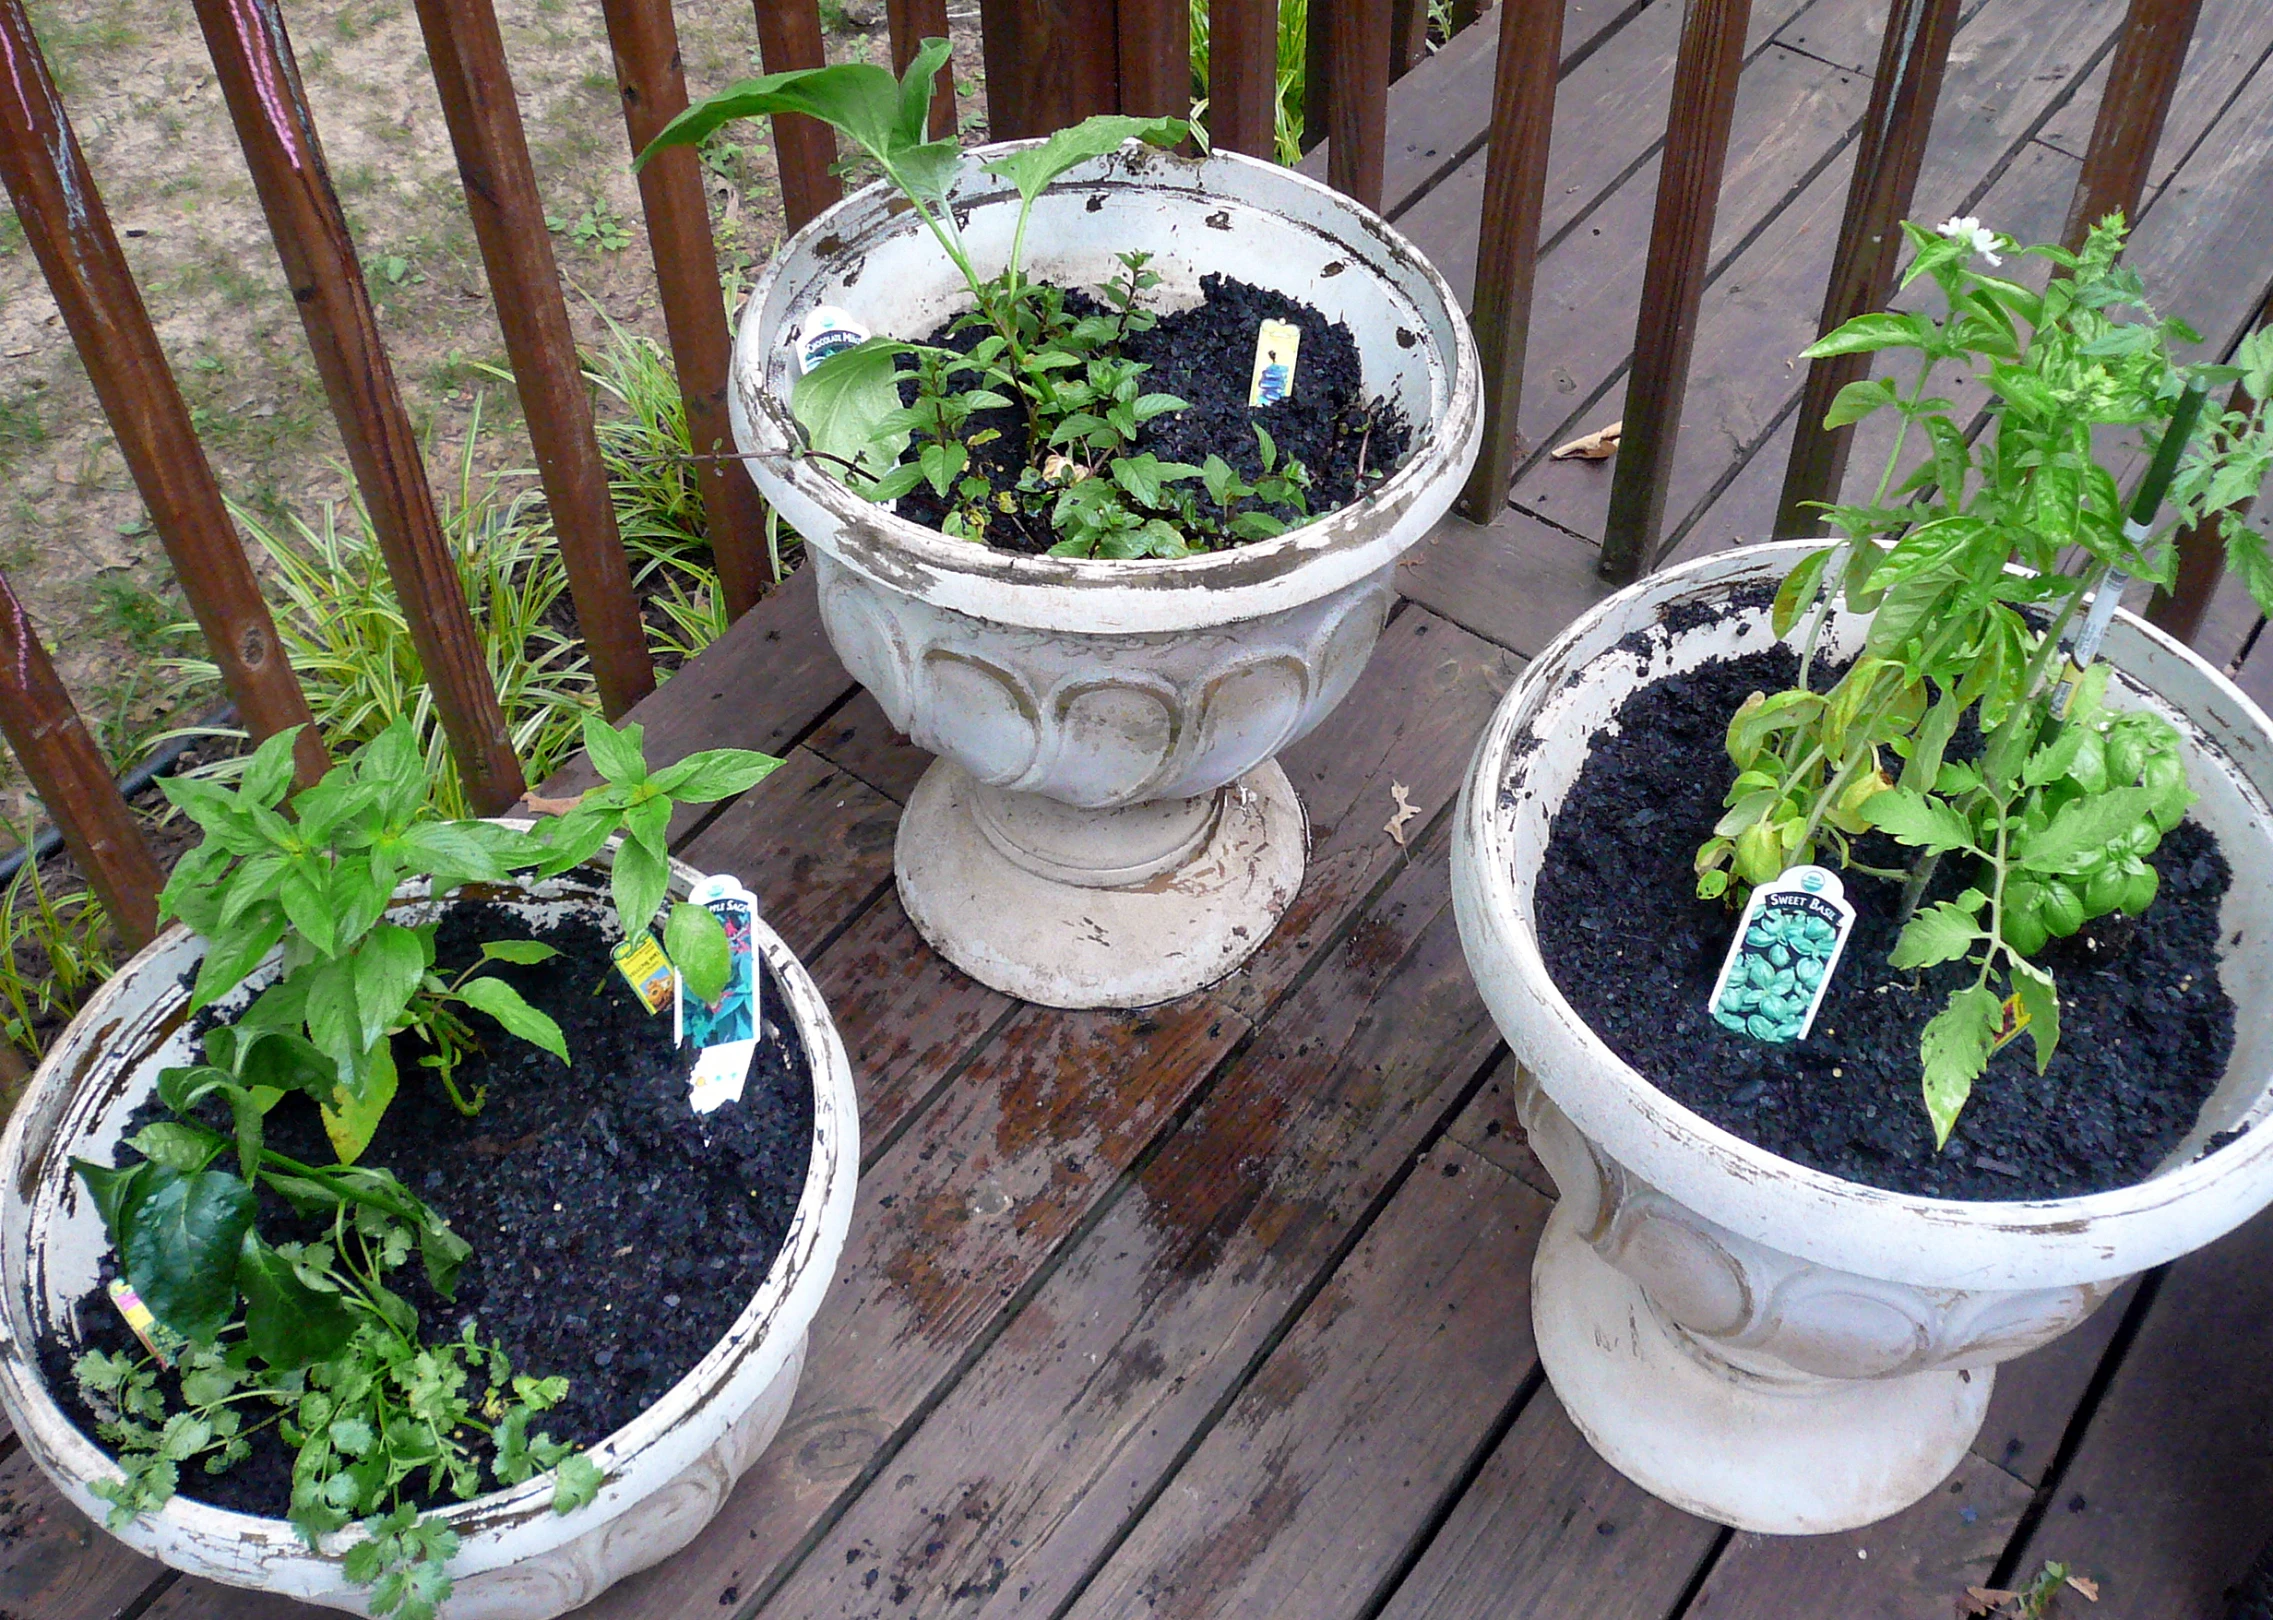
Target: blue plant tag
[
  {"x": 726, "y": 1035},
  {"x": 1787, "y": 946}
]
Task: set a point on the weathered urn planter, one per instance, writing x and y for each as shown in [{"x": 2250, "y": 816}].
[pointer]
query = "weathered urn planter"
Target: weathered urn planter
[
  {"x": 1106, "y": 825},
  {"x": 667, "y": 1472},
  {"x": 1754, "y": 1341}
]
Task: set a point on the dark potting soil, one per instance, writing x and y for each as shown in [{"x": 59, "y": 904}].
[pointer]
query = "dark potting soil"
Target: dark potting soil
[
  {"x": 2145, "y": 1028},
  {"x": 1206, "y": 355},
  {"x": 616, "y": 1233}
]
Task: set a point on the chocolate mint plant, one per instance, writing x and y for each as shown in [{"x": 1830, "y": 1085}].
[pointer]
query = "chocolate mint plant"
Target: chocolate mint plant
[
  {"x": 311, "y": 1334},
  {"x": 1975, "y": 571},
  {"x": 1059, "y": 364}
]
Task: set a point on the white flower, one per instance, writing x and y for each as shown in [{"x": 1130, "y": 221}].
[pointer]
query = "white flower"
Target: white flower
[{"x": 1966, "y": 228}]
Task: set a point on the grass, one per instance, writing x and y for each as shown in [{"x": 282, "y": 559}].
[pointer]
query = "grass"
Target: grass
[
  {"x": 54, "y": 952},
  {"x": 1293, "y": 75}
]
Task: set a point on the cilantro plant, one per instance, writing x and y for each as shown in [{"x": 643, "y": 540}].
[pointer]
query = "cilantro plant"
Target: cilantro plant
[
  {"x": 1975, "y": 570},
  {"x": 1082, "y": 399}
]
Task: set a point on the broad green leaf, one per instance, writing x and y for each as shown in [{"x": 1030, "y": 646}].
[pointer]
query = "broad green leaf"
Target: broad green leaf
[
  {"x": 2040, "y": 999},
  {"x": 578, "y": 1481},
  {"x": 714, "y": 774},
  {"x": 617, "y": 755},
  {"x": 844, "y": 405},
  {"x": 454, "y": 852},
  {"x": 575, "y": 838},
  {"x": 503, "y": 1003},
  {"x": 230, "y": 958},
  {"x": 1955, "y": 1047},
  {"x": 1937, "y": 933},
  {"x": 1798, "y": 591},
  {"x": 268, "y": 774},
  {"x": 648, "y": 824},
  {"x": 1144, "y": 475},
  {"x": 1923, "y": 768},
  {"x": 524, "y": 952},
  {"x": 1922, "y": 823},
  {"x": 388, "y": 966},
  {"x": 443, "y": 1252},
  {"x": 288, "y": 1324},
  {"x": 334, "y": 1023},
  {"x": 1867, "y": 333},
  {"x": 881, "y": 114},
  {"x": 2081, "y": 828},
  {"x": 352, "y": 1117},
  {"x": 176, "y": 1145},
  {"x": 1859, "y": 399},
  {"x": 1903, "y": 611},
  {"x": 1032, "y": 170},
  {"x": 181, "y": 1248},
  {"x": 116, "y": 1193},
  {"x": 638, "y": 881},
  {"x": 304, "y": 895},
  {"x": 394, "y": 767},
  {"x": 695, "y": 940}
]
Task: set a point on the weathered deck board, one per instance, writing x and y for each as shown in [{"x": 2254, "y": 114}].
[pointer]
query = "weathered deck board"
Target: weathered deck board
[{"x": 54, "y": 1560}]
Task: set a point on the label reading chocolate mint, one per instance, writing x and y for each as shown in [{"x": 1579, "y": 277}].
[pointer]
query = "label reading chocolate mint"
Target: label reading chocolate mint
[{"x": 1780, "y": 963}]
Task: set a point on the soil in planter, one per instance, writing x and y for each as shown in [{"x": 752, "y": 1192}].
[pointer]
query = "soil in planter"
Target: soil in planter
[
  {"x": 1206, "y": 355},
  {"x": 616, "y": 1234},
  {"x": 2145, "y": 1028}
]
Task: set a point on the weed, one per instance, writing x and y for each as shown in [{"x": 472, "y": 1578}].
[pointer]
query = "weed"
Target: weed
[
  {"x": 598, "y": 226},
  {"x": 55, "y": 950},
  {"x": 144, "y": 619},
  {"x": 21, "y": 425}
]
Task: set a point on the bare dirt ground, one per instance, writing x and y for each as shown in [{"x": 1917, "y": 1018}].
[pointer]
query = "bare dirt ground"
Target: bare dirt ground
[{"x": 74, "y": 538}]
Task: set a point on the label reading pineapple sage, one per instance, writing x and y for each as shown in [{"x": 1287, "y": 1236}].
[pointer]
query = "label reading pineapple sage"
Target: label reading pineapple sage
[{"x": 1785, "y": 951}]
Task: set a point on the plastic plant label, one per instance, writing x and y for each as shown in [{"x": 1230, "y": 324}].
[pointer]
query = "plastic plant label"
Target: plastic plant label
[
  {"x": 1278, "y": 348},
  {"x": 826, "y": 331},
  {"x": 1786, "y": 948},
  {"x": 2013, "y": 1020},
  {"x": 138, "y": 1318},
  {"x": 647, "y": 970},
  {"x": 727, "y": 1034}
]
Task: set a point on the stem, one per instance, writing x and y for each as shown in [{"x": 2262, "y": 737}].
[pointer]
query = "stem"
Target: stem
[{"x": 1996, "y": 897}]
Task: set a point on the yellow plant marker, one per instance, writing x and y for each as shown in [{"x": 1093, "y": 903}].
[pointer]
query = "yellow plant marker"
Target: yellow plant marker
[
  {"x": 138, "y": 1318},
  {"x": 1277, "y": 348},
  {"x": 647, "y": 970},
  {"x": 2015, "y": 1020}
]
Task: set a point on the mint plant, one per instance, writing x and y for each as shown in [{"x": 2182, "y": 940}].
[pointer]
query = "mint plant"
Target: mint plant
[
  {"x": 1083, "y": 400},
  {"x": 1975, "y": 570}
]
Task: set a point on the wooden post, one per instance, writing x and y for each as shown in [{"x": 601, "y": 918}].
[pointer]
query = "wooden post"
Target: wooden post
[
  {"x": 1155, "y": 50},
  {"x": 468, "y": 57},
  {"x": 1408, "y": 36},
  {"x": 1317, "y": 77},
  {"x": 1357, "y": 41},
  {"x": 1893, "y": 145},
  {"x": 70, "y": 233},
  {"x": 804, "y": 149},
  {"x": 1050, "y": 63},
  {"x": 1243, "y": 75},
  {"x": 252, "y": 58},
  {"x": 1507, "y": 256},
  {"x": 68, "y": 774},
  {"x": 646, "y": 45},
  {"x": 913, "y": 22},
  {"x": 1673, "y": 283},
  {"x": 2140, "y": 83}
]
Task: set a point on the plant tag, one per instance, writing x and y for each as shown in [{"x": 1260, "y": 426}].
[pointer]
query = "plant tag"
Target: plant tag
[
  {"x": 1785, "y": 951},
  {"x": 138, "y": 1318},
  {"x": 827, "y": 331},
  {"x": 1277, "y": 349},
  {"x": 646, "y": 969},
  {"x": 727, "y": 1034},
  {"x": 2013, "y": 1020}
]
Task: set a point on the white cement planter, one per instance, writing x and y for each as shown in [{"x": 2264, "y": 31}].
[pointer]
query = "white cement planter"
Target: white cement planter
[
  {"x": 1768, "y": 1345},
  {"x": 667, "y": 1472},
  {"x": 1105, "y": 826}
]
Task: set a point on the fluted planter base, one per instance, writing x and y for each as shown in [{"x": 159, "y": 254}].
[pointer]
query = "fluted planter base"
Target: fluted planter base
[
  {"x": 1783, "y": 1455},
  {"x": 1099, "y": 908}
]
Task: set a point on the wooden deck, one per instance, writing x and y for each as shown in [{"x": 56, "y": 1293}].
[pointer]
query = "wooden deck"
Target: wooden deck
[{"x": 1222, "y": 1308}]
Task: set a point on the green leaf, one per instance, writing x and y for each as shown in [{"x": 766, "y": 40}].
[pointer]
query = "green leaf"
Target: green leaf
[
  {"x": 1939, "y": 724},
  {"x": 523, "y": 952},
  {"x": 577, "y": 1482},
  {"x": 176, "y": 1146},
  {"x": 1859, "y": 399},
  {"x": 883, "y": 115},
  {"x": 268, "y": 774},
  {"x": 695, "y": 941},
  {"x": 1798, "y": 591},
  {"x": 1143, "y": 476},
  {"x": 394, "y": 767},
  {"x": 454, "y": 852},
  {"x": 1867, "y": 333},
  {"x": 714, "y": 774},
  {"x": 1913, "y": 819},
  {"x": 617, "y": 755},
  {"x": 1032, "y": 170},
  {"x": 1955, "y": 1047},
  {"x": 503, "y": 1003},
  {"x": 2040, "y": 999},
  {"x": 638, "y": 880},
  {"x": 181, "y": 1248},
  {"x": 844, "y": 404},
  {"x": 352, "y": 1117},
  {"x": 388, "y": 966},
  {"x": 229, "y": 958},
  {"x": 117, "y": 1194},
  {"x": 2081, "y": 828},
  {"x": 1938, "y": 933},
  {"x": 303, "y": 893},
  {"x": 283, "y": 1061},
  {"x": 288, "y": 1324}
]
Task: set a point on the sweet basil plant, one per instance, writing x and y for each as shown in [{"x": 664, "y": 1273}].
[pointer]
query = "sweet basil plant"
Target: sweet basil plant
[
  {"x": 1978, "y": 560},
  {"x": 310, "y": 1334}
]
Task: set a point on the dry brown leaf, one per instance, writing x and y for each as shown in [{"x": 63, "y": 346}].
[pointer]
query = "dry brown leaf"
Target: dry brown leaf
[
  {"x": 1600, "y": 445},
  {"x": 1406, "y": 811},
  {"x": 2085, "y": 1585},
  {"x": 536, "y": 806},
  {"x": 1982, "y": 1600}
]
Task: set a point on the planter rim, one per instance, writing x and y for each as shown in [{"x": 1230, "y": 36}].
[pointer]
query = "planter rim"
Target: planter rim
[
  {"x": 1759, "y": 1194},
  {"x": 1154, "y": 594},
  {"x": 762, "y": 1336}
]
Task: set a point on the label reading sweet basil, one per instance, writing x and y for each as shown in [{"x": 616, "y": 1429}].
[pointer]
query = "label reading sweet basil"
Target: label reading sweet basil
[{"x": 1780, "y": 963}]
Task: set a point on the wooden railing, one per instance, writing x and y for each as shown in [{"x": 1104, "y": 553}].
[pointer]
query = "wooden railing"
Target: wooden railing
[{"x": 1049, "y": 63}]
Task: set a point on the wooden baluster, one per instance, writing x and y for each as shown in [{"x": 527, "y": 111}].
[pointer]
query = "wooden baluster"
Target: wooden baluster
[
  {"x": 1408, "y": 36},
  {"x": 1515, "y": 190},
  {"x": 2201, "y": 547},
  {"x": 470, "y": 72},
  {"x": 1357, "y": 40},
  {"x": 645, "y": 41},
  {"x": 252, "y": 58},
  {"x": 913, "y": 22},
  {"x": 70, "y": 233},
  {"x": 1317, "y": 77},
  {"x": 1893, "y": 145},
  {"x": 1050, "y": 63},
  {"x": 1243, "y": 75},
  {"x": 1156, "y": 58},
  {"x": 2140, "y": 83},
  {"x": 68, "y": 774},
  {"x": 789, "y": 38},
  {"x": 1673, "y": 283}
]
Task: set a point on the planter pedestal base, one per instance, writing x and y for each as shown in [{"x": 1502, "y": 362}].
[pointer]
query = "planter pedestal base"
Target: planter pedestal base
[
  {"x": 1787, "y": 1456},
  {"x": 1098, "y": 908}
]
